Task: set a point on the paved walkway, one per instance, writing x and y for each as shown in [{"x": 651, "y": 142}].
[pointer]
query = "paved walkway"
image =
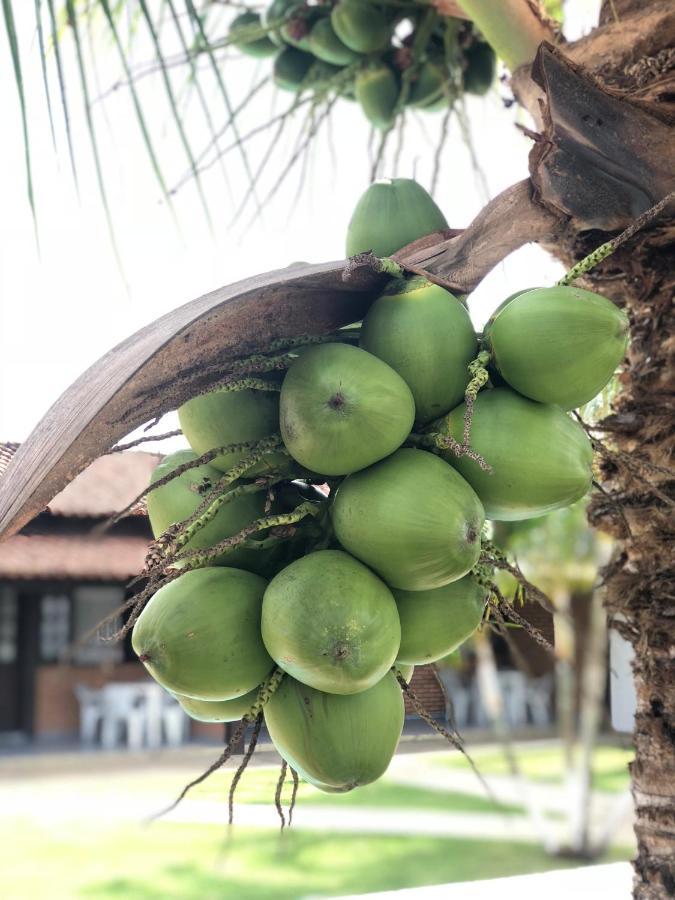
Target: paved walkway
[{"x": 612, "y": 882}]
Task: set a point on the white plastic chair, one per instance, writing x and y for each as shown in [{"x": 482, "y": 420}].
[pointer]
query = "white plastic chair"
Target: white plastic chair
[
  {"x": 123, "y": 710},
  {"x": 91, "y": 711},
  {"x": 174, "y": 721}
]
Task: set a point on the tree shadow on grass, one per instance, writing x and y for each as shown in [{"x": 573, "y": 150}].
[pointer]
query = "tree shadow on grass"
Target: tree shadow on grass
[{"x": 261, "y": 865}]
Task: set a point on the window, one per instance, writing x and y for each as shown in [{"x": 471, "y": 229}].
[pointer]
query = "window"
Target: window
[
  {"x": 91, "y": 605},
  {"x": 54, "y": 626},
  {"x": 8, "y": 627}
]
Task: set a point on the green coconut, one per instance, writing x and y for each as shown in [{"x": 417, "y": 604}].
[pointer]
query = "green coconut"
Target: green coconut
[
  {"x": 324, "y": 43},
  {"x": 218, "y": 710},
  {"x": 429, "y": 86},
  {"x": 276, "y": 14},
  {"x": 179, "y": 498},
  {"x": 331, "y": 623},
  {"x": 290, "y": 69},
  {"x": 360, "y": 26},
  {"x": 412, "y": 519},
  {"x": 200, "y": 635},
  {"x": 223, "y": 417},
  {"x": 481, "y": 67},
  {"x": 425, "y": 334},
  {"x": 377, "y": 91},
  {"x": 343, "y": 409},
  {"x": 240, "y": 34},
  {"x": 541, "y": 458},
  {"x": 390, "y": 214},
  {"x": 334, "y": 741},
  {"x": 558, "y": 345},
  {"x": 321, "y": 73},
  {"x": 436, "y": 622},
  {"x": 406, "y": 671}
]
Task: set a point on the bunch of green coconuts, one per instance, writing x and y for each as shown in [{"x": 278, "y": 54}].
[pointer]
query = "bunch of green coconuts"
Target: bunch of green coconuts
[
  {"x": 352, "y": 48},
  {"x": 381, "y": 578}
]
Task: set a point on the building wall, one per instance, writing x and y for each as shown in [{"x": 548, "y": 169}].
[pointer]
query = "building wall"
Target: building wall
[{"x": 428, "y": 690}]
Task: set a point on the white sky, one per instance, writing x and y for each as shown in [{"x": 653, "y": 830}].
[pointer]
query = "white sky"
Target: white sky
[{"x": 64, "y": 306}]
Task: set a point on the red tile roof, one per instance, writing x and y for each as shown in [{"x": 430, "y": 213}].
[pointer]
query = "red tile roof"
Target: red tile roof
[{"x": 72, "y": 556}]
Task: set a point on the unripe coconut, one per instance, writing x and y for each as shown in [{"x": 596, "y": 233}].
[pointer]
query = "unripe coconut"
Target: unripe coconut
[
  {"x": 426, "y": 335},
  {"x": 326, "y": 45},
  {"x": 331, "y": 623},
  {"x": 277, "y": 13},
  {"x": 405, "y": 671},
  {"x": 377, "y": 91},
  {"x": 391, "y": 213},
  {"x": 218, "y": 710},
  {"x": 179, "y": 498},
  {"x": 434, "y": 623},
  {"x": 343, "y": 409},
  {"x": 200, "y": 635},
  {"x": 429, "y": 86},
  {"x": 336, "y": 742},
  {"x": 320, "y": 74},
  {"x": 300, "y": 21},
  {"x": 290, "y": 69},
  {"x": 558, "y": 345},
  {"x": 481, "y": 67},
  {"x": 223, "y": 417},
  {"x": 360, "y": 26},
  {"x": 240, "y": 31},
  {"x": 541, "y": 458},
  {"x": 412, "y": 519}
]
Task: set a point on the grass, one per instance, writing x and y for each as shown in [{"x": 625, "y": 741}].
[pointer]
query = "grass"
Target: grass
[
  {"x": 184, "y": 861},
  {"x": 258, "y": 786},
  {"x": 545, "y": 764}
]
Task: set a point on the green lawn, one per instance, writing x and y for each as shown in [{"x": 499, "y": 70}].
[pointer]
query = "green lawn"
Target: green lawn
[
  {"x": 258, "y": 786},
  {"x": 545, "y": 764},
  {"x": 169, "y": 860}
]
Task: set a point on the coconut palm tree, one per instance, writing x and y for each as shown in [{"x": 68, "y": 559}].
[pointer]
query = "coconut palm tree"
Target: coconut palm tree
[{"x": 602, "y": 155}]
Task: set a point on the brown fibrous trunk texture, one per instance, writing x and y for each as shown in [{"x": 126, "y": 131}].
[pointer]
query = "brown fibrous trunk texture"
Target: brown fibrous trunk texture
[{"x": 632, "y": 55}]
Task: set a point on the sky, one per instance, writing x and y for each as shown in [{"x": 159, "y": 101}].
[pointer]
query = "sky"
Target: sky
[{"x": 64, "y": 297}]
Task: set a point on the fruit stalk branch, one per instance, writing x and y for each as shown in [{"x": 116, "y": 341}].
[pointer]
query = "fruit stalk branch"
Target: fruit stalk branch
[
  {"x": 604, "y": 250},
  {"x": 513, "y": 28}
]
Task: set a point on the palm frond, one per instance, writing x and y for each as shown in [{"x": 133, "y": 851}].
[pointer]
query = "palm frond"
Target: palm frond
[
  {"x": 174, "y": 107},
  {"x": 56, "y": 43},
  {"x": 198, "y": 26},
  {"x": 10, "y": 27},
  {"x": 147, "y": 140},
  {"x": 72, "y": 21},
  {"x": 43, "y": 63}
]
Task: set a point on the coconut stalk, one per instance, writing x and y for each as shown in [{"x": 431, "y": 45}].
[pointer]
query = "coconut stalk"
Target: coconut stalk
[{"x": 513, "y": 28}]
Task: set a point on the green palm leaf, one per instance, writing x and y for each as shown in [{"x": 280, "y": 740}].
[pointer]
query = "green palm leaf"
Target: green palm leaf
[
  {"x": 16, "y": 63},
  {"x": 62, "y": 86},
  {"x": 43, "y": 63}
]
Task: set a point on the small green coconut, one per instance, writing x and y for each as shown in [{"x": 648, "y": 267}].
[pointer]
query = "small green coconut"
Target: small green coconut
[
  {"x": 425, "y": 334},
  {"x": 541, "y": 459},
  {"x": 436, "y": 622},
  {"x": 179, "y": 498},
  {"x": 324, "y": 43},
  {"x": 361, "y": 26},
  {"x": 557, "y": 345},
  {"x": 412, "y": 519},
  {"x": 199, "y": 635},
  {"x": 218, "y": 710},
  {"x": 377, "y": 91},
  {"x": 240, "y": 32},
  {"x": 391, "y": 213},
  {"x": 334, "y": 741},
  {"x": 429, "y": 86},
  {"x": 291, "y": 68},
  {"x": 343, "y": 409},
  {"x": 481, "y": 67},
  {"x": 222, "y": 417},
  {"x": 331, "y": 623}
]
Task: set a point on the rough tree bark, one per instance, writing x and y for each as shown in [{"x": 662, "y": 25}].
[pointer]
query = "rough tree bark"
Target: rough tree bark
[{"x": 602, "y": 156}]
